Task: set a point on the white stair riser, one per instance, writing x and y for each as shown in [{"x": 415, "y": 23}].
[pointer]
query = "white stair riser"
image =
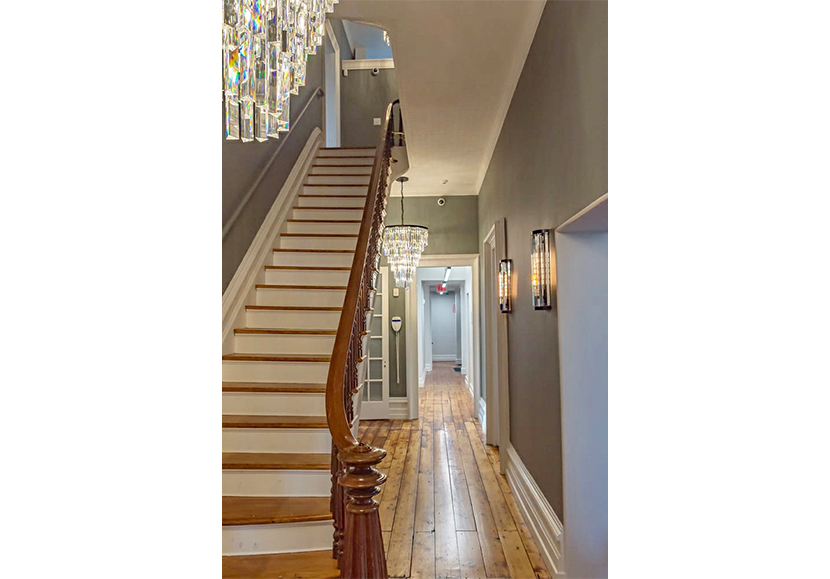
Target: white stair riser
[
  {"x": 306, "y": 277},
  {"x": 294, "y": 372},
  {"x": 276, "y": 440},
  {"x": 275, "y": 403},
  {"x": 312, "y": 259},
  {"x": 318, "y": 242},
  {"x": 325, "y": 320},
  {"x": 361, "y": 191},
  {"x": 337, "y": 180},
  {"x": 276, "y": 483},
  {"x": 283, "y": 344},
  {"x": 337, "y": 170},
  {"x": 328, "y": 201},
  {"x": 370, "y": 153},
  {"x": 315, "y": 227},
  {"x": 300, "y": 297},
  {"x": 282, "y": 538},
  {"x": 344, "y": 161},
  {"x": 346, "y": 213}
]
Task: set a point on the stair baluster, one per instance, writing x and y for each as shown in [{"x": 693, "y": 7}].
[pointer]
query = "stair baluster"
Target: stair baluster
[{"x": 357, "y": 540}]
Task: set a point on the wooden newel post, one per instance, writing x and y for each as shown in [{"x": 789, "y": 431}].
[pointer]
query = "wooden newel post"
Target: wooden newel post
[{"x": 363, "y": 556}]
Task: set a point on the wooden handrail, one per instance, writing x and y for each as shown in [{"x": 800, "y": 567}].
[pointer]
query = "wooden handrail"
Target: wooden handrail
[{"x": 358, "y": 543}]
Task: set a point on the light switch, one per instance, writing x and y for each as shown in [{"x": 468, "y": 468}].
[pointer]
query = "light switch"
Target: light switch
[
  {"x": 396, "y": 292},
  {"x": 377, "y": 121}
]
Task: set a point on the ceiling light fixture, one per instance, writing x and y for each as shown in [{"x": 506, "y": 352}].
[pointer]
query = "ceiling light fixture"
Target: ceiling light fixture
[
  {"x": 265, "y": 45},
  {"x": 403, "y": 245}
]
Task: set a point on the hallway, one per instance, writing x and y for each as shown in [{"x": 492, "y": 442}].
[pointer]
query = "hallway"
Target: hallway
[{"x": 445, "y": 510}]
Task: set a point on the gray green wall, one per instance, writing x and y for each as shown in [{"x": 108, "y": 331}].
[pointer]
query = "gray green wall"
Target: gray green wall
[
  {"x": 242, "y": 163},
  {"x": 551, "y": 160},
  {"x": 453, "y": 228},
  {"x": 363, "y": 97}
]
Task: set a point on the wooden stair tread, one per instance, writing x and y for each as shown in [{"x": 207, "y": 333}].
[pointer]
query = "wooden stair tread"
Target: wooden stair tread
[
  {"x": 333, "y": 184},
  {"x": 325, "y": 220},
  {"x": 289, "y": 331},
  {"x": 274, "y": 510},
  {"x": 271, "y": 387},
  {"x": 329, "y": 208},
  {"x": 303, "y": 565},
  {"x": 336, "y": 157},
  {"x": 276, "y": 358},
  {"x": 268, "y": 421},
  {"x": 276, "y": 461},
  {"x": 331, "y": 196},
  {"x": 300, "y": 308},
  {"x": 309, "y": 267},
  {"x": 284, "y": 286},
  {"x": 346, "y": 148},
  {"x": 281, "y": 250},
  {"x": 318, "y": 235}
]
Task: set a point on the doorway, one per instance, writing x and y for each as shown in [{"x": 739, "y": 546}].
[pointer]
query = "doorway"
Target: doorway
[
  {"x": 582, "y": 300},
  {"x": 450, "y": 337},
  {"x": 495, "y": 403},
  {"x": 331, "y": 101}
]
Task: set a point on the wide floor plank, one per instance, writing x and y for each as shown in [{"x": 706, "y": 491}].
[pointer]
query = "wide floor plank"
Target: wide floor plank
[{"x": 446, "y": 511}]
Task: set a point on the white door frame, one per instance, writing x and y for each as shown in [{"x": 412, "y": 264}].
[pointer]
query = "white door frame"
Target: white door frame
[
  {"x": 497, "y": 428},
  {"x": 331, "y": 82},
  {"x": 411, "y": 311}
]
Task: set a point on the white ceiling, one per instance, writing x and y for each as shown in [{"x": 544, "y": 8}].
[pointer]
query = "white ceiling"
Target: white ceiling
[{"x": 457, "y": 63}]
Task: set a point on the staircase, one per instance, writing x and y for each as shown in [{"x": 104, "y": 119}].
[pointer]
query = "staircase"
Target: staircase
[{"x": 277, "y": 448}]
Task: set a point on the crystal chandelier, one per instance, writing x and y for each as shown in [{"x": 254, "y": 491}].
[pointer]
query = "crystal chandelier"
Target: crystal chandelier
[
  {"x": 265, "y": 44},
  {"x": 403, "y": 245}
]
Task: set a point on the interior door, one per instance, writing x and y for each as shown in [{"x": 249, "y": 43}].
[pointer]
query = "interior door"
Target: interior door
[{"x": 375, "y": 403}]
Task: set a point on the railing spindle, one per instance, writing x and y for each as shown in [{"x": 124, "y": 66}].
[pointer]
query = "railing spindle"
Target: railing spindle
[{"x": 357, "y": 540}]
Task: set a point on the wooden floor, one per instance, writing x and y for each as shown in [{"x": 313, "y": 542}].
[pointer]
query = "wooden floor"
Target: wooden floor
[{"x": 445, "y": 510}]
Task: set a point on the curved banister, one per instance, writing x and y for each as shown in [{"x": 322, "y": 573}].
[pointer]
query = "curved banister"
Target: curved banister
[{"x": 358, "y": 542}]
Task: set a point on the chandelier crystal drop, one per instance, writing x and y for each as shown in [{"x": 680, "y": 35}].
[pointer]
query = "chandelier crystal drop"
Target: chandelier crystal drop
[
  {"x": 403, "y": 245},
  {"x": 265, "y": 45}
]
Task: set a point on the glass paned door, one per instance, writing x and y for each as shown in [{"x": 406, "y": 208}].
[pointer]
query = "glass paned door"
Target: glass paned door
[{"x": 375, "y": 394}]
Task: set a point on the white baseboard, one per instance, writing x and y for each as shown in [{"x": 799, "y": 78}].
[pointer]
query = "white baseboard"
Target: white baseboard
[
  {"x": 482, "y": 414},
  {"x": 544, "y": 525},
  {"x": 443, "y": 357},
  {"x": 398, "y": 408},
  {"x": 241, "y": 290}
]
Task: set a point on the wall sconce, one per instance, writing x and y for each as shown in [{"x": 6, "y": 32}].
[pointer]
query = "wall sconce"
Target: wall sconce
[
  {"x": 505, "y": 285},
  {"x": 541, "y": 269}
]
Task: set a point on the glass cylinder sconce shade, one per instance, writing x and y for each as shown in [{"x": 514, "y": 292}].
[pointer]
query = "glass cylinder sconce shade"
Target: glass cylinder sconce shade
[
  {"x": 541, "y": 269},
  {"x": 505, "y": 285}
]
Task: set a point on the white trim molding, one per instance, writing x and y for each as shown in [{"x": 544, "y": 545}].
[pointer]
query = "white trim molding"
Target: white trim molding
[
  {"x": 544, "y": 525},
  {"x": 368, "y": 64},
  {"x": 242, "y": 288},
  {"x": 398, "y": 408}
]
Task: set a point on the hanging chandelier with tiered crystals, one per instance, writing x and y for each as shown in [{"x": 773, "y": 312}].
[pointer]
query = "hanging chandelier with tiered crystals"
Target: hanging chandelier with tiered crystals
[
  {"x": 403, "y": 245},
  {"x": 265, "y": 44}
]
